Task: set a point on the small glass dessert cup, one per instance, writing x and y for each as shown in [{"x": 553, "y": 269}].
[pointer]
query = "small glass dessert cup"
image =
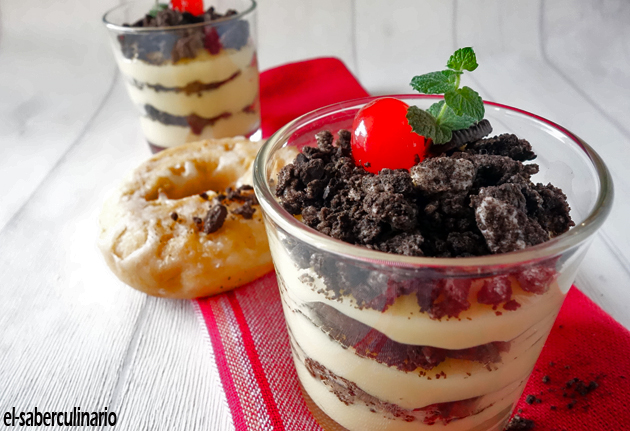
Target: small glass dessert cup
[
  {"x": 391, "y": 342},
  {"x": 190, "y": 82}
]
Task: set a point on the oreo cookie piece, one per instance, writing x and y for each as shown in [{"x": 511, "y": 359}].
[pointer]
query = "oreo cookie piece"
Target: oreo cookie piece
[
  {"x": 464, "y": 136},
  {"x": 471, "y": 134},
  {"x": 506, "y": 144}
]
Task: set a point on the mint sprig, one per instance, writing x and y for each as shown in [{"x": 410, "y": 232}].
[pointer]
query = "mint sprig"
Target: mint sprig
[
  {"x": 157, "y": 7},
  {"x": 461, "y": 107},
  {"x": 463, "y": 59}
]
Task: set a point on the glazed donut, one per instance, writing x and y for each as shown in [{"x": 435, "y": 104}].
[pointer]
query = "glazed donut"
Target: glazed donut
[{"x": 186, "y": 223}]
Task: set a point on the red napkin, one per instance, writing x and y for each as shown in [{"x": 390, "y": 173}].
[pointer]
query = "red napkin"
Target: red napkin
[
  {"x": 251, "y": 345},
  {"x": 289, "y": 91}
]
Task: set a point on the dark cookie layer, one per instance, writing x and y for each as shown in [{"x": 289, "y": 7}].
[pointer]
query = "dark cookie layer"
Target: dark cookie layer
[
  {"x": 195, "y": 87},
  {"x": 194, "y": 121},
  {"x": 369, "y": 343},
  {"x": 349, "y": 393},
  {"x": 174, "y": 44},
  {"x": 470, "y": 203},
  {"x": 437, "y": 294}
]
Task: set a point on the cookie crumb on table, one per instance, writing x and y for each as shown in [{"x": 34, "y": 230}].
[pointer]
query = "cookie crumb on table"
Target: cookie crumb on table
[{"x": 519, "y": 423}]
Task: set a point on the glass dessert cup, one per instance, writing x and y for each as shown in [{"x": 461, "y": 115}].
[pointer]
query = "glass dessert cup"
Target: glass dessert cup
[
  {"x": 391, "y": 342},
  {"x": 190, "y": 82}
]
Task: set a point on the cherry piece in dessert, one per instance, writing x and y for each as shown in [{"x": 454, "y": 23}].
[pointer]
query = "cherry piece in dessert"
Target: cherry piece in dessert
[
  {"x": 211, "y": 40},
  {"x": 382, "y": 137},
  {"x": 194, "y": 7}
]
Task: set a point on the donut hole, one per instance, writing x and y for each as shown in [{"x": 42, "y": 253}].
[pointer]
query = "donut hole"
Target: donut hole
[{"x": 192, "y": 177}]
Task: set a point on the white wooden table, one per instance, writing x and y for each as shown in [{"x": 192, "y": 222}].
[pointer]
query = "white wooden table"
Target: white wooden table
[{"x": 72, "y": 335}]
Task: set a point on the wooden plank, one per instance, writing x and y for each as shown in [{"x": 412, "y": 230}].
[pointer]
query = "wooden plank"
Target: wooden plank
[
  {"x": 296, "y": 30},
  {"x": 66, "y": 320},
  {"x": 604, "y": 279},
  {"x": 172, "y": 382},
  {"x": 56, "y": 71},
  {"x": 586, "y": 42},
  {"x": 396, "y": 40}
]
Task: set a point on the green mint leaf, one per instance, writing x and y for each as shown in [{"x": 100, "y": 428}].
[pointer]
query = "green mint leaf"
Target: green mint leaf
[
  {"x": 455, "y": 122},
  {"x": 461, "y": 107},
  {"x": 435, "y": 82},
  {"x": 465, "y": 101},
  {"x": 449, "y": 119},
  {"x": 424, "y": 124},
  {"x": 451, "y": 74},
  {"x": 157, "y": 7},
  {"x": 463, "y": 59},
  {"x": 435, "y": 108}
]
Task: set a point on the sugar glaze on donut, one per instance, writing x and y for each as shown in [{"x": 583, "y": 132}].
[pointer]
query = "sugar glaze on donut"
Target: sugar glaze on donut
[{"x": 153, "y": 227}]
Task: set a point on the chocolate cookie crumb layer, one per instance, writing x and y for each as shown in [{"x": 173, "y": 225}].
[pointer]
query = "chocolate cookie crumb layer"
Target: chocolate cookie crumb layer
[
  {"x": 349, "y": 393},
  {"x": 174, "y": 44},
  {"x": 173, "y": 18},
  {"x": 369, "y": 343},
  {"x": 378, "y": 288},
  {"x": 194, "y": 87},
  {"x": 194, "y": 121},
  {"x": 470, "y": 203},
  {"x": 503, "y": 145}
]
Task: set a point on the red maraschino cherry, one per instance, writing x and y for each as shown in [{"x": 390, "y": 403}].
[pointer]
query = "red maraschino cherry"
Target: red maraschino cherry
[
  {"x": 194, "y": 7},
  {"x": 382, "y": 137}
]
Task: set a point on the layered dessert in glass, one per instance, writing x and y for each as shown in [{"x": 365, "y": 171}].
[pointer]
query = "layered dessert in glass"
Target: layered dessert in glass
[
  {"x": 421, "y": 299},
  {"x": 192, "y": 77}
]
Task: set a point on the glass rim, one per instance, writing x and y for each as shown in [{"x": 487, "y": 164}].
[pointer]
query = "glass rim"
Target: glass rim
[
  {"x": 123, "y": 29},
  {"x": 555, "y": 246}
]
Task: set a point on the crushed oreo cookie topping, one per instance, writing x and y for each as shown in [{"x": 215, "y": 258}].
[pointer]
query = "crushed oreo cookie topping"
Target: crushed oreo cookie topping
[
  {"x": 471, "y": 202},
  {"x": 166, "y": 17},
  {"x": 186, "y": 42}
]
